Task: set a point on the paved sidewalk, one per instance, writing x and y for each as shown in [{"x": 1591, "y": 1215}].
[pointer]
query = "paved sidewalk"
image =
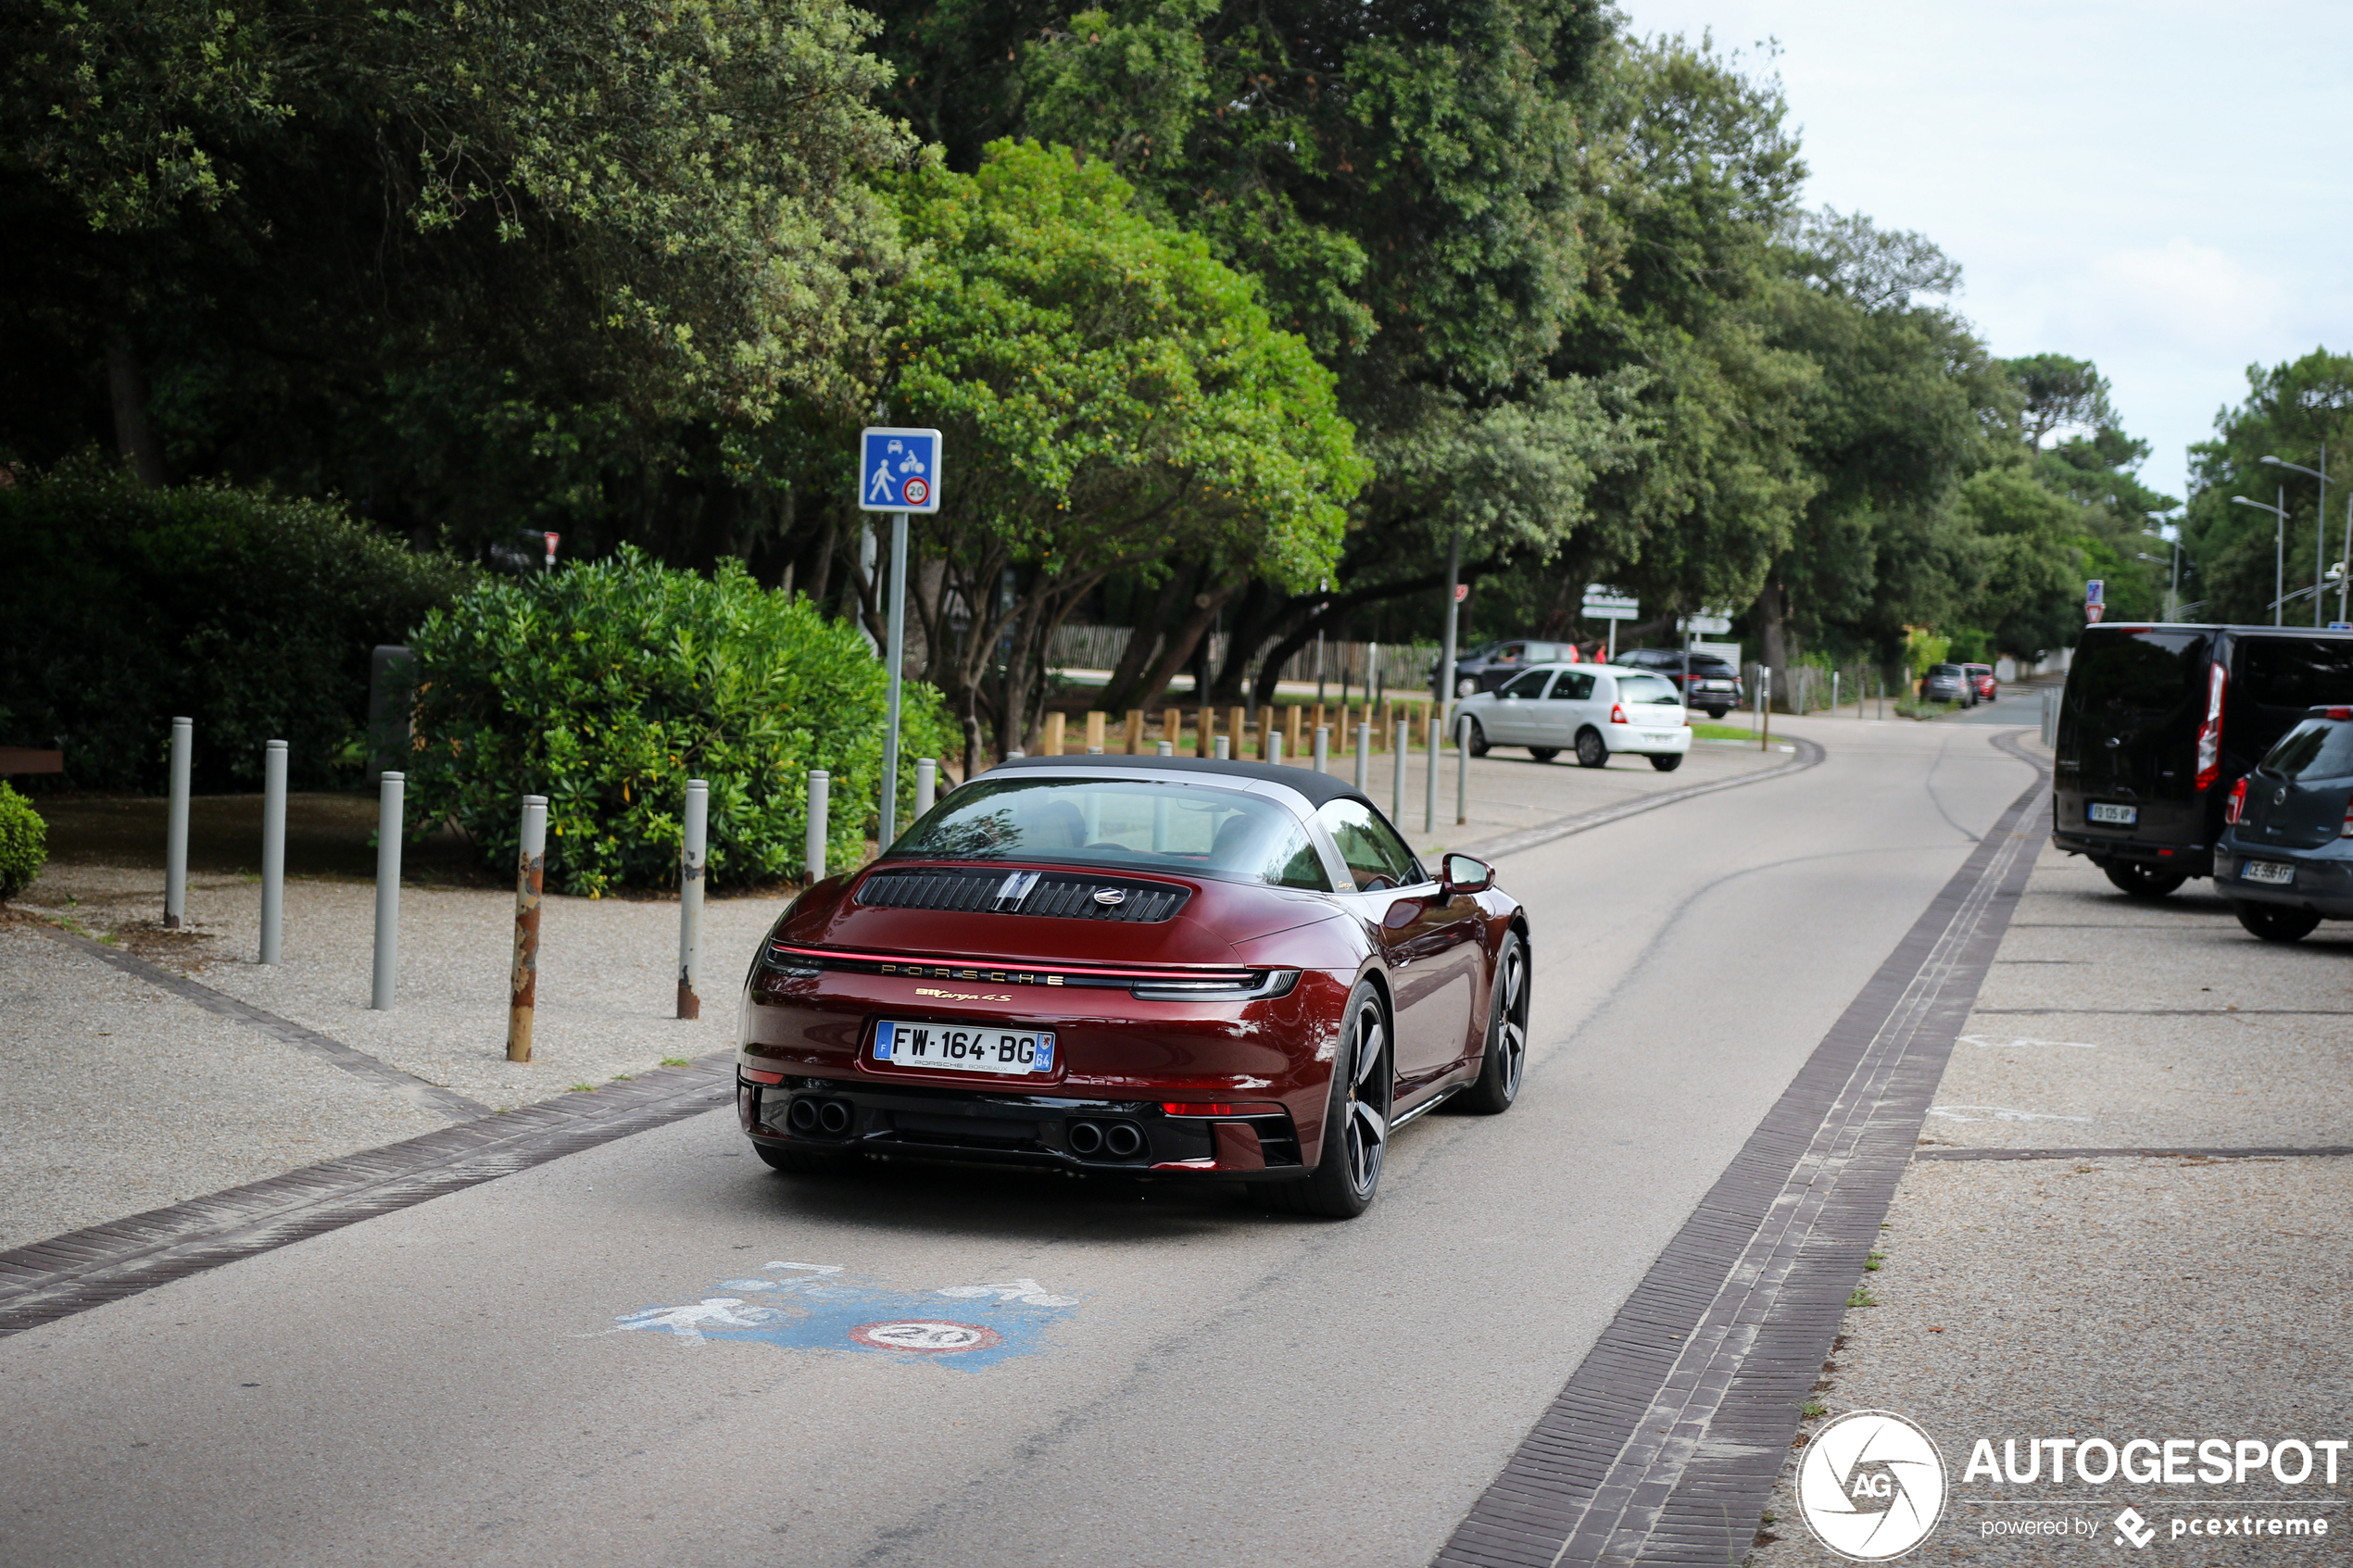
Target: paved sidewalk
[{"x": 2039, "y": 1283}]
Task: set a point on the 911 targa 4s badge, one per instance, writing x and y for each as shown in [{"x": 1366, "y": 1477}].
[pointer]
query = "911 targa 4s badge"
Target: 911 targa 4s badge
[{"x": 1192, "y": 968}]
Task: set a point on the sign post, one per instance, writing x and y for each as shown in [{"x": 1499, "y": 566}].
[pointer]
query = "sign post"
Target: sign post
[
  {"x": 898, "y": 472},
  {"x": 2094, "y": 601},
  {"x": 1604, "y": 603}
]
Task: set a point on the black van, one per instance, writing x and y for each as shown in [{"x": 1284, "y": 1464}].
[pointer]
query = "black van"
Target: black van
[{"x": 2158, "y": 722}]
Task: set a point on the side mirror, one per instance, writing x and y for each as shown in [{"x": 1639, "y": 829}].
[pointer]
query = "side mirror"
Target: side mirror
[{"x": 1461, "y": 874}]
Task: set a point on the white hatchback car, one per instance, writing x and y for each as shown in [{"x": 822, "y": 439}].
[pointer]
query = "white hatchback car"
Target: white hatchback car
[{"x": 1594, "y": 710}]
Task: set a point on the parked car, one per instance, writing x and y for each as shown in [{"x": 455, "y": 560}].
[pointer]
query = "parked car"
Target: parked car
[
  {"x": 1594, "y": 710},
  {"x": 1981, "y": 684},
  {"x": 1180, "y": 968},
  {"x": 2286, "y": 858},
  {"x": 1716, "y": 685},
  {"x": 1947, "y": 683},
  {"x": 2158, "y": 722},
  {"x": 1487, "y": 667}
]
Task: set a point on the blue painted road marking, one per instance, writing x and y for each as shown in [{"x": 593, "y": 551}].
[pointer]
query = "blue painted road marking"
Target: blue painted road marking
[{"x": 817, "y": 1307}]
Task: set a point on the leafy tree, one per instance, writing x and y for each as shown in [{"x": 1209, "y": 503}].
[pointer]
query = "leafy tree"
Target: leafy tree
[
  {"x": 2290, "y": 411},
  {"x": 1113, "y": 396},
  {"x": 465, "y": 263},
  {"x": 2058, "y": 392}
]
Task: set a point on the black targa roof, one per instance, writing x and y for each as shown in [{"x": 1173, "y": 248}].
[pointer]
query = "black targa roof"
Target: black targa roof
[{"x": 1317, "y": 787}]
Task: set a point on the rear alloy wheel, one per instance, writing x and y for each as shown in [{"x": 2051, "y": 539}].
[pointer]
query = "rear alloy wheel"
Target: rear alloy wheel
[
  {"x": 1477, "y": 740},
  {"x": 1505, "y": 1062},
  {"x": 1467, "y": 686},
  {"x": 1355, "y": 1122},
  {"x": 1592, "y": 750},
  {"x": 1544, "y": 753},
  {"x": 2276, "y": 922},
  {"x": 1666, "y": 761},
  {"x": 2142, "y": 882}
]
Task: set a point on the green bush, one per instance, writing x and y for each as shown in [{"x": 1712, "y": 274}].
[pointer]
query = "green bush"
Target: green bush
[
  {"x": 606, "y": 686},
  {"x": 24, "y": 843},
  {"x": 122, "y": 607}
]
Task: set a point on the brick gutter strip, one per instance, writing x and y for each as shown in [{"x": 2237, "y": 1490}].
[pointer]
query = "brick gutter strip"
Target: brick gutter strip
[
  {"x": 1665, "y": 1446},
  {"x": 70, "y": 1273},
  {"x": 1808, "y": 754},
  {"x": 2283, "y": 1152},
  {"x": 417, "y": 1091}
]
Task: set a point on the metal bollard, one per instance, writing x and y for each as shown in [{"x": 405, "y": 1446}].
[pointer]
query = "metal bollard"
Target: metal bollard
[
  {"x": 1397, "y": 795},
  {"x": 175, "y": 833},
  {"x": 1167, "y": 748},
  {"x": 1462, "y": 769},
  {"x": 1323, "y": 749},
  {"x": 1429, "y": 799},
  {"x": 531, "y": 879},
  {"x": 1224, "y": 748},
  {"x": 273, "y": 850},
  {"x": 692, "y": 848},
  {"x": 820, "y": 781},
  {"x": 926, "y": 785},
  {"x": 1364, "y": 755},
  {"x": 1274, "y": 749},
  {"x": 392, "y": 789}
]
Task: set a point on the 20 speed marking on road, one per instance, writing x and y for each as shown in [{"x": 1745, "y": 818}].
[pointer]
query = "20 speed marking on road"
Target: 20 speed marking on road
[{"x": 931, "y": 1335}]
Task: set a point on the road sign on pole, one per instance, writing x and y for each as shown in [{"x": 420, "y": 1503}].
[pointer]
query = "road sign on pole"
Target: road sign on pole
[
  {"x": 897, "y": 470},
  {"x": 1716, "y": 624},
  {"x": 1607, "y": 603}
]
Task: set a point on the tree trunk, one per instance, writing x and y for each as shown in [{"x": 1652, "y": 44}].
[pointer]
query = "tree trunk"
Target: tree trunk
[
  {"x": 1772, "y": 632},
  {"x": 1177, "y": 650},
  {"x": 1126, "y": 690},
  {"x": 135, "y": 437}
]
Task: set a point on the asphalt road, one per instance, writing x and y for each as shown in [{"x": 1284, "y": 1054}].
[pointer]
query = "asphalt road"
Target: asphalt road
[{"x": 1188, "y": 1381}]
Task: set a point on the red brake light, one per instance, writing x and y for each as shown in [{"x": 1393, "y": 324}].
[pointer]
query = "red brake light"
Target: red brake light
[
  {"x": 1616, "y": 713},
  {"x": 1190, "y": 1108},
  {"x": 2348, "y": 831},
  {"x": 2233, "y": 808},
  {"x": 2210, "y": 734},
  {"x": 2340, "y": 713}
]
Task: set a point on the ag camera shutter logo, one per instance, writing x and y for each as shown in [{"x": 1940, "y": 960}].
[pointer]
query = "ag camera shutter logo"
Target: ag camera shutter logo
[{"x": 1872, "y": 1486}]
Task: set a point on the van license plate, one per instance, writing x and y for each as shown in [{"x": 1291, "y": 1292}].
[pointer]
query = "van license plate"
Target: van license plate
[
  {"x": 2123, "y": 816},
  {"x": 2268, "y": 871}
]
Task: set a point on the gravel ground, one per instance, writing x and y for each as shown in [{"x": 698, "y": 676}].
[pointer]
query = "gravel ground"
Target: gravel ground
[
  {"x": 608, "y": 972},
  {"x": 122, "y": 1098},
  {"x": 2121, "y": 1297}
]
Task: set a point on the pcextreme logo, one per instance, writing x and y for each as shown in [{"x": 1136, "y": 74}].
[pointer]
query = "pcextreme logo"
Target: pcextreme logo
[{"x": 1872, "y": 1486}]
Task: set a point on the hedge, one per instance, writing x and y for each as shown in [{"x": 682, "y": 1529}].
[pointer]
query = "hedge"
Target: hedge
[
  {"x": 606, "y": 686},
  {"x": 122, "y": 607}
]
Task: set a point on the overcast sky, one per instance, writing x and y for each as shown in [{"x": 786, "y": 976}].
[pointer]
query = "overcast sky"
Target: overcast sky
[{"x": 2156, "y": 186}]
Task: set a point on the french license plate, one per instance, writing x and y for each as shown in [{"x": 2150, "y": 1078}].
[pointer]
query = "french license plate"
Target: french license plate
[
  {"x": 959, "y": 1048},
  {"x": 2123, "y": 816},
  {"x": 2268, "y": 871}
]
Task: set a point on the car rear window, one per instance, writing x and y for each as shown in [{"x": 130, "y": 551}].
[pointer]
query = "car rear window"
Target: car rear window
[
  {"x": 2316, "y": 749},
  {"x": 2135, "y": 677},
  {"x": 1132, "y": 824},
  {"x": 1645, "y": 688}
]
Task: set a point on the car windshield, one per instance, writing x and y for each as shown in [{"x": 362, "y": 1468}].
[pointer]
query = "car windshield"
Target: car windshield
[
  {"x": 1137, "y": 824},
  {"x": 1948, "y": 671},
  {"x": 2317, "y": 748},
  {"x": 1646, "y": 688}
]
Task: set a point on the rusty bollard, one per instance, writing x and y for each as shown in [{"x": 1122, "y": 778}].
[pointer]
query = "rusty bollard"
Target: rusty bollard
[
  {"x": 690, "y": 870},
  {"x": 531, "y": 874}
]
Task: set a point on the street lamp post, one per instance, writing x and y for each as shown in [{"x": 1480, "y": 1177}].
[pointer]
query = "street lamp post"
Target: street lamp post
[
  {"x": 2319, "y": 529},
  {"x": 2173, "y": 594},
  {"x": 2279, "y": 549}
]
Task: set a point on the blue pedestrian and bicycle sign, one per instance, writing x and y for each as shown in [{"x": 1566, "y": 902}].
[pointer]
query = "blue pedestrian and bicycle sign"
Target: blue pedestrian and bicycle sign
[{"x": 899, "y": 471}]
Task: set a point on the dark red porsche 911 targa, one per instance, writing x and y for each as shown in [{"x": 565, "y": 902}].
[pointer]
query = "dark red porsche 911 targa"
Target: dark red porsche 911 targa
[{"x": 1192, "y": 968}]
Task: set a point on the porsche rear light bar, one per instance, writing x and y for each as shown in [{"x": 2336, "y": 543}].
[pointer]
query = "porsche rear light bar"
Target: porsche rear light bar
[
  {"x": 1171, "y": 984},
  {"x": 2210, "y": 734}
]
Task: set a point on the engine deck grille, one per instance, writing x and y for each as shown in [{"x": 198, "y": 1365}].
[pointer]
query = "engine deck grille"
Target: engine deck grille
[{"x": 1067, "y": 895}]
